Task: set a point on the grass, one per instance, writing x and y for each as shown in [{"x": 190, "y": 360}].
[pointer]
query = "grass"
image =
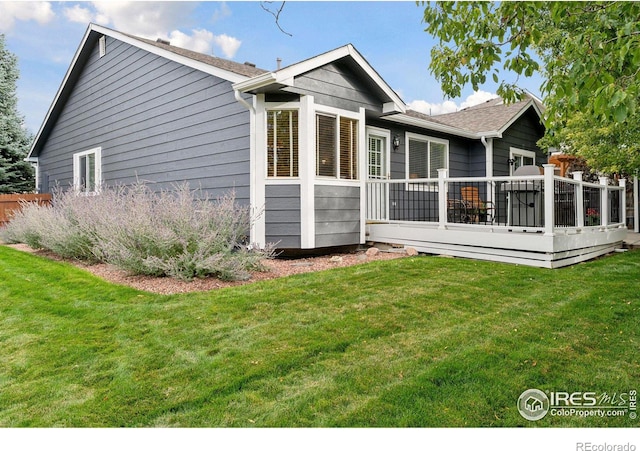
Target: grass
[{"x": 415, "y": 342}]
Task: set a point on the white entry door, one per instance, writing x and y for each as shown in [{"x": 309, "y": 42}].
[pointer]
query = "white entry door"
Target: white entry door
[{"x": 377, "y": 170}]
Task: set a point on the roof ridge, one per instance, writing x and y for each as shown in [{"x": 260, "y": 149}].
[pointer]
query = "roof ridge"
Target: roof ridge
[{"x": 222, "y": 63}]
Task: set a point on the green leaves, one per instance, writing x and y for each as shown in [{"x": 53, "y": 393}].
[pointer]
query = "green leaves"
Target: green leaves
[{"x": 588, "y": 54}]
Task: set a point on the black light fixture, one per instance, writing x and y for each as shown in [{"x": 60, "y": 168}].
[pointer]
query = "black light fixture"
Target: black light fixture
[
  {"x": 511, "y": 161},
  {"x": 396, "y": 142}
]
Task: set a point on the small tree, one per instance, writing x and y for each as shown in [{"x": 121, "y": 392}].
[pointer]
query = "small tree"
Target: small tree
[{"x": 16, "y": 175}]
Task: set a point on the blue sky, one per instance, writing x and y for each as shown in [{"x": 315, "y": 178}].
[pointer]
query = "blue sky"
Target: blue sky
[{"x": 390, "y": 35}]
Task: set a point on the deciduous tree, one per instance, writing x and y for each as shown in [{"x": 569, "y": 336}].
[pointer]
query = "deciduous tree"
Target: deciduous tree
[{"x": 588, "y": 54}]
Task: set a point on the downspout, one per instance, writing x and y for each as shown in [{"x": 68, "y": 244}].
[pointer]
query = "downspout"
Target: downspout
[{"x": 240, "y": 99}]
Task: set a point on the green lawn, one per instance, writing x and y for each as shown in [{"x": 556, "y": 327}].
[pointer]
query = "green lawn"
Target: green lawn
[{"x": 422, "y": 341}]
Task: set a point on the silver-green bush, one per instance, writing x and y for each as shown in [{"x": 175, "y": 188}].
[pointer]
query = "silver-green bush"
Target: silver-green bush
[{"x": 179, "y": 233}]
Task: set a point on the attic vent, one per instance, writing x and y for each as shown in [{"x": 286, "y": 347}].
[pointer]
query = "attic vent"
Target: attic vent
[
  {"x": 102, "y": 43},
  {"x": 163, "y": 41},
  {"x": 247, "y": 63}
]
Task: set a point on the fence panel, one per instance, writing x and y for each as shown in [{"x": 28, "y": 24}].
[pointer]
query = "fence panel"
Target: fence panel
[{"x": 12, "y": 202}]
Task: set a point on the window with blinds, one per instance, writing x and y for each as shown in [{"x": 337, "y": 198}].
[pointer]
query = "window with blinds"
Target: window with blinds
[
  {"x": 348, "y": 148},
  {"x": 325, "y": 145},
  {"x": 425, "y": 156},
  {"x": 336, "y": 147},
  {"x": 282, "y": 143}
]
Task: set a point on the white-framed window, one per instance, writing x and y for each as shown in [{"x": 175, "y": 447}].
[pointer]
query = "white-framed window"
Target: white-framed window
[
  {"x": 87, "y": 171},
  {"x": 378, "y": 144},
  {"x": 336, "y": 146},
  {"x": 282, "y": 143},
  {"x": 425, "y": 155},
  {"x": 521, "y": 157}
]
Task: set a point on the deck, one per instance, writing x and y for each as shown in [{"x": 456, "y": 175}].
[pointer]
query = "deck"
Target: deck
[{"x": 520, "y": 220}]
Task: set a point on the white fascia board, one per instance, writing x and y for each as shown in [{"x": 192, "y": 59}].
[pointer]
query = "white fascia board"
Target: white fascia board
[
  {"x": 257, "y": 82},
  {"x": 519, "y": 114},
  {"x": 198, "y": 65},
  {"x": 60, "y": 88},
  {"x": 226, "y": 75},
  {"x": 286, "y": 76},
  {"x": 428, "y": 125},
  {"x": 371, "y": 72}
]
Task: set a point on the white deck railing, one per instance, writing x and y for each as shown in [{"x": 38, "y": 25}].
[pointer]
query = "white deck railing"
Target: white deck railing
[{"x": 545, "y": 203}]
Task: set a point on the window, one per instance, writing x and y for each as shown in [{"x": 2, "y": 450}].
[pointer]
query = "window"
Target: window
[
  {"x": 336, "y": 147},
  {"x": 521, "y": 158},
  {"x": 87, "y": 171},
  {"x": 282, "y": 143},
  {"x": 377, "y": 152},
  {"x": 425, "y": 156}
]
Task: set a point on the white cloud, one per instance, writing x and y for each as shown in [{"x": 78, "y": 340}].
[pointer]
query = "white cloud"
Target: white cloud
[
  {"x": 228, "y": 44},
  {"x": 154, "y": 20},
  {"x": 449, "y": 106},
  {"x": 41, "y": 12},
  {"x": 78, "y": 14},
  {"x": 198, "y": 41}
]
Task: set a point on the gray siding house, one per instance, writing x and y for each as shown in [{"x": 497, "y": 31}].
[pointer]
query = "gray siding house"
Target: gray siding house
[{"x": 297, "y": 144}]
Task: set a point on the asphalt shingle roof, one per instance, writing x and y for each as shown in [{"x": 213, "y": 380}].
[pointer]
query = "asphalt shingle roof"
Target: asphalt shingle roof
[
  {"x": 492, "y": 115},
  {"x": 221, "y": 63}
]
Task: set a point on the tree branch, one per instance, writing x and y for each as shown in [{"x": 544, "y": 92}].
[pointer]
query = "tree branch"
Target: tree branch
[{"x": 275, "y": 14}]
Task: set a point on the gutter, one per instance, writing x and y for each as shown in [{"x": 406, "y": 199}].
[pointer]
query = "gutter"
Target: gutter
[{"x": 240, "y": 99}]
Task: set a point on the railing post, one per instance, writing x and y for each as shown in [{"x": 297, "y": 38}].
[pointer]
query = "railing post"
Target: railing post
[
  {"x": 604, "y": 201},
  {"x": 579, "y": 199},
  {"x": 549, "y": 195},
  {"x": 623, "y": 201},
  {"x": 442, "y": 198}
]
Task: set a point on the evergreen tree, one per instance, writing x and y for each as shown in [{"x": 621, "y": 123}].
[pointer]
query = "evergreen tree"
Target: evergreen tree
[{"x": 16, "y": 175}]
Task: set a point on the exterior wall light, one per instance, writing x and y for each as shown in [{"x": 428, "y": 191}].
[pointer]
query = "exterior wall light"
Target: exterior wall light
[{"x": 396, "y": 143}]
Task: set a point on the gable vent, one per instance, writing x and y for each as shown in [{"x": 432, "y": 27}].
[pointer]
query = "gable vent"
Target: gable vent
[{"x": 163, "y": 41}]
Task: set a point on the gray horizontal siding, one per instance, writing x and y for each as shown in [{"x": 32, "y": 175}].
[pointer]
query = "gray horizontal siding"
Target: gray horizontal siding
[
  {"x": 155, "y": 120},
  {"x": 459, "y": 150},
  {"x": 523, "y": 134},
  {"x": 337, "y": 215},
  {"x": 338, "y": 86},
  {"x": 282, "y": 216}
]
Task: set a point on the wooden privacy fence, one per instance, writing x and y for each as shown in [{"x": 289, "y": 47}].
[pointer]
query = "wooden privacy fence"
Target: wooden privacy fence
[{"x": 12, "y": 202}]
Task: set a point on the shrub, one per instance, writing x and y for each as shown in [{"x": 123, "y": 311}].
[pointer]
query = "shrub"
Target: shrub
[{"x": 179, "y": 233}]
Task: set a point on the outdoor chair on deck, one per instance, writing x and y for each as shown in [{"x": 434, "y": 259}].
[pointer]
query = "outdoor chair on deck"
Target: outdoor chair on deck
[{"x": 478, "y": 210}]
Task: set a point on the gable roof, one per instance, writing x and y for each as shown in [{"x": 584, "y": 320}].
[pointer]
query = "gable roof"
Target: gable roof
[
  {"x": 489, "y": 119},
  {"x": 225, "y": 69},
  {"x": 285, "y": 77},
  {"x": 246, "y": 70},
  {"x": 491, "y": 116}
]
